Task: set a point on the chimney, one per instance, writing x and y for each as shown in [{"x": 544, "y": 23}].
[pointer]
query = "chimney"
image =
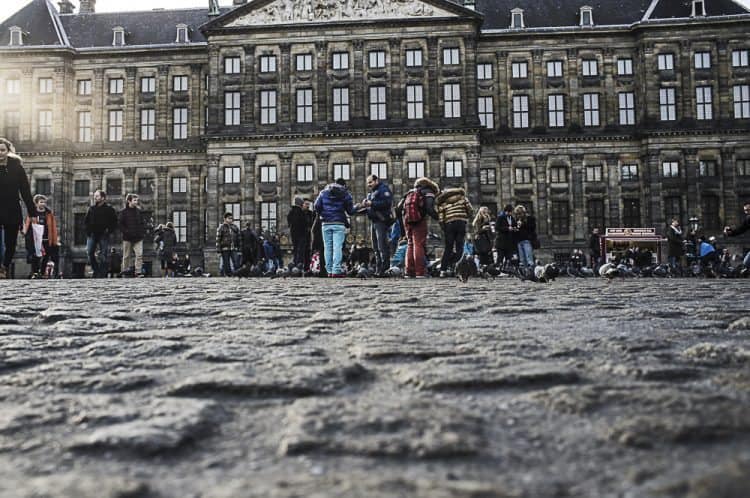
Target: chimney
[
  {"x": 87, "y": 7},
  {"x": 65, "y": 7}
]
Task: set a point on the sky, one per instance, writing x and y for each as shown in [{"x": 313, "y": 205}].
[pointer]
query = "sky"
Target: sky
[{"x": 11, "y": 6}]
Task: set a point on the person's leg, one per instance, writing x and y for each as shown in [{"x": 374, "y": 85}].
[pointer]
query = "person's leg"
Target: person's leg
[
  {"x": 328, "y": 247},
  {"x": 529, "y": 253},
  {"x": 522, "y": 253},
  {"x": 420, "y": 242},
  {"x": 339, "y": 234},
  {"x": 409, "y": 261},
  {"x": 459, "y": 236},
  {"x": 91, "y": 253},
  {"x": 375, "y": 246},
  {"x": 445, "y": 261},
  {"x": 385, "y": 247},
  {"x": 127, "y": 255},
  {"x": 746, "y": 260},
  {"x": 10, "y": 237},
  {"x": 103, "y": 243},
  {"x": 224, "y": 270},
  {"x": 138, "y": 249}
]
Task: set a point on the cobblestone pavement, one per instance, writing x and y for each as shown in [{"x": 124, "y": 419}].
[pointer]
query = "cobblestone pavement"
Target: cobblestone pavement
[{"x": 350, "y": 388}]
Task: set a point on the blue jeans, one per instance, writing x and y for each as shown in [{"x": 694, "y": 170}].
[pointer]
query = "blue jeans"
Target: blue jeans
[
  {"x": 333, "y": 241},
  {"x": 526, "y": 253},
  {"x": 381, "y": 245},
  {"x": 98, "y": 264}
]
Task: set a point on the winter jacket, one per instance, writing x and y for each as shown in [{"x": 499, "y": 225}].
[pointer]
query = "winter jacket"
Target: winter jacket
[
  {"x": 429, "y": 190},
  {"x": 100, "y": 220},
  {"x": 14, "y": 183},
  {"x": 744, "y": 227},
  {"x": 381, "y": 200},
  {"x": 166, "y": 240},
  {"x": 504, "y": 236},
  {"x": 333, "y": 204},
  {"x": 481, "y": 225},
  {"x": 675, "y": 247},
  {"x": 132, "y": 224},
  {"x": 50, "y": 223},
  {"x": 298, "y": 221},
  {"x": 227, "y": 237},
  {"x": 452, "y": 205},
  {"x": 249, "y": 241},
  {"x": 526, "y": 229}
]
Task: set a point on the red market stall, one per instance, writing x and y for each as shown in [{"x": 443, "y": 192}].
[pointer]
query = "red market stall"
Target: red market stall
[{"x": 617, "y": 241}]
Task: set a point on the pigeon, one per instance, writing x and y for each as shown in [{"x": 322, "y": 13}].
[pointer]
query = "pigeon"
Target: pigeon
[
  {"x": 394, "y": 271},
  {"x": 546, "y": 274},
  {"x": 364, "y": 273},
  {"x": 609, "y": 271},
  {"x": 466, "y": 268}
]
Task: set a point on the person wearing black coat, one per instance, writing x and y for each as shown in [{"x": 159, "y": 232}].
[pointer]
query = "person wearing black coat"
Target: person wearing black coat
[
  {"x": 14, "y": 184},
  {"x": 101, "y": 222},
  {"x": 739, "y": 230},
  {"x": 675, "y": 241},
  {"x": 249, "y": 245},
  {"x": 595, "y": 248},
  {"x": 133, "y": 228},
  {"x": 505, "y": 226},
  {"x": 299, "y": 229}
]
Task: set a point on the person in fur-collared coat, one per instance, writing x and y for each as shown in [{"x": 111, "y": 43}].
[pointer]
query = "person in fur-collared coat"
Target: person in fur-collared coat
[
  {"x": 425, "y": 191},
  {"x": 454, "y": 211}
]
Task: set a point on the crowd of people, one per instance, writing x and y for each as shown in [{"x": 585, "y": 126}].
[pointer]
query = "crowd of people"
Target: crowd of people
[{"x": 399, "y": 232}]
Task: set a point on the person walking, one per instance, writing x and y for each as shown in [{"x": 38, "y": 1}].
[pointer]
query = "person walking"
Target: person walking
[
  {"x": 675, "y": 243},
  {"x": 414, "y": 208},
  {"x": 525, "y": 236},
  {"x": 227, "y": 243},
  {"x": 14, "y": 184},
  {"x": 483, "y": 236},
  {"x": 379, "y": 204},
  {"x": 100, "y": 222},
  {"x": 334, "y": 205},
  {"x": 505, "y": 228},
  {"x": 166, "y": 241},
  {"x": 739, "y": 230},
  {"x": 299, "y": 230},
  {"x": 454, "y": 211},
  {"x": 42, "y": 241},
  {"x": 132, "y": 225}
]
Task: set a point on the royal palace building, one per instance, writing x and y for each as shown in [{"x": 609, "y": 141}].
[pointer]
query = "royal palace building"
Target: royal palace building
[{"x": 592, "y": 113}]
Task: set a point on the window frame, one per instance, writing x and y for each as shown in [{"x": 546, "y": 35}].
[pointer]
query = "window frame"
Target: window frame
[
  {"x": 670, "y": 169},
  {"x": 415, "y": 169},
  {"x": 521, "y": 114},
  {"x": 519, "y": 70},
  {"x": 411, "y": 56},
  {"x": 378, "y": 103},
  {"x": 305, "y": 173},
  {"x": 379, "y": 169},
  {"x": 116, "y": 86},
  {"x": 414, "y": 101},
  {"x": 589, "y": 68},
  {"x": 594, "y": 173},
  {"x": 85, "y": 127},
  {"x": 376, "y": 59},
  {"x": 267, "y": 64},
  {"x": 665, "y": 61},
  {"x": 303, "y": 62},
  {"x": 232, "y": 108},
  {"x": 340, "y": 102},
  {"x": 555, "y": 176},
  {"x": 454, "y": 168},
  {"x": 148, "y": 84},
  {"x": 484, "y": 71},
  {"x": 83, "y": 87},
  {"x": 627, "y": 108},
  {"x": 232, "y": 64},
  {"x": 741, "y": 57},
  {"x": 559, "y": 218},
  {"x": 115, "y": 125},
  {"x": 232, "y": 175},
  {"x": 180, "y": 83},
  {"x": 591, "y": 110},
  {"x": 632, "y": 172},
  {"x": 269, "y": 216},
  {"x": 487, "y": 176},
  {"x": 704, "y": 103},
  {"x": 522, "y": 175},
  {"x": 555, "y": 69},
  {"x": 741, "y": 101},
  {"x": 486, "y": 117},
  {"x": 268, "y": 111},
  {"x": 45, "y": 124},
  {"x": 342, "y": 170},
  {"x": 180, "y": 127},
  {"x": 451, "y": 56},
  {"x": 304, "y": 105},
  {"x": 667, "y": 104},
  {"x": 555, "y": 115},
  {"x": 179, "y": 221},
  {"x": 624, "y": 66},
  {"x": 702, "y": 60},
  {"x": 179, "y": 184},
  {"x": 148, "y": 124},
  {"x": 340, "y": 61},
  {"x": 269, "y": 173}
]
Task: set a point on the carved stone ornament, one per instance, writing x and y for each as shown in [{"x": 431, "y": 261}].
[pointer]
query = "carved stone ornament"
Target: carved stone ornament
[{"x": 296, "y": 11}]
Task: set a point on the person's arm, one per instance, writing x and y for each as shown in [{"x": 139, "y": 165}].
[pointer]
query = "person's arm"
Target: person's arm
[
  {"x": 429, "y": 206},
  {"x": 121, "y": 221},
  {"x": 349, "y": 205},
  {"x": 25, "y": 190},
  {"x": 733, "y": 232},
  {"x": 87, "y": 222}
]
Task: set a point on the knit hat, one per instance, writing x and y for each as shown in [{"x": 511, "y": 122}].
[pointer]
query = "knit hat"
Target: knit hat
[{"x": 298, "y": 201}]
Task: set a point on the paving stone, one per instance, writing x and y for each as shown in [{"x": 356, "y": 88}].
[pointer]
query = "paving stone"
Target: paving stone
[
  {"x": 74, "y": 485},
  {"x": 405, "y": 427},
  {"x": 165, "y": 425},
  {"x": 481, "y": 372}
]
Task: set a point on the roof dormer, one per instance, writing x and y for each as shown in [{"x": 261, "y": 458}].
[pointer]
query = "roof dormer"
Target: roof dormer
[
  {"x": 586, "y": 16},
  {"x": 516, "y": 19},
  {"x": 470, "y": 4},
  {"x": 118, "y": 36},
  {"x": 183, "y": 35},
  {"x": 699, "y": 8},
  {"x": 16, "y": 36}
]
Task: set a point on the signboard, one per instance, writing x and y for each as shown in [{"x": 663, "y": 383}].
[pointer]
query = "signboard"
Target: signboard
[{"x": 630, "y": 232}]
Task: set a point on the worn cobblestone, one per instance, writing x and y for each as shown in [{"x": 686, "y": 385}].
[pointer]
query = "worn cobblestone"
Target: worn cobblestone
[{"x": 382, "y": 388}]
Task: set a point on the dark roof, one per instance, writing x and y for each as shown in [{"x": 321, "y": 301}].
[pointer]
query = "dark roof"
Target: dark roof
[
  {"x": 670, "y": 9},
  {"x": 565, "y": 13},
  {"x": 38, "y": 22},
  {"x": 153, "y": 27}
]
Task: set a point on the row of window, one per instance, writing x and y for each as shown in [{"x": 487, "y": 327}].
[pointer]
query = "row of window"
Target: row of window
[
  {"x": 520, "y": 117},
  {"x": 340, "y": 61},
  {"x": 523, "y": 175}
]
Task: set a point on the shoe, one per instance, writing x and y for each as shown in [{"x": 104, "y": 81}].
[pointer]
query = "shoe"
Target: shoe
[
  {"x": 443, "y": 274},
  {"x": 421, "y": 276}
]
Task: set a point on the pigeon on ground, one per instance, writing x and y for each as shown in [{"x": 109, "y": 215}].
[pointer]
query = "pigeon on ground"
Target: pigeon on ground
[
  {"x": 466, "y": 268},
  {"x": 609, "y": 271}
]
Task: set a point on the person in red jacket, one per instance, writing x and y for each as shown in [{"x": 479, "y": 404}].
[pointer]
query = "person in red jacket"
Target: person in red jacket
[{"x": 49, "y": 245}]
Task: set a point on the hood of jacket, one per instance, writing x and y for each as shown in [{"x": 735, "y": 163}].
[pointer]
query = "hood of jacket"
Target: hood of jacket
[
  {"x": 336, "y": 191},
  {"x": 424, "y": 182},
  {"x": 451, "y": 195}
]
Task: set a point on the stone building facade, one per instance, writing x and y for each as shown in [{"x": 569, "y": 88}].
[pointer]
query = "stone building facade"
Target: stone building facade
[{"x": 587, "y": 114}]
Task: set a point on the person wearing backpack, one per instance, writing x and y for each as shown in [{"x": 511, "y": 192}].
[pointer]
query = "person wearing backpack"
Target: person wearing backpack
[
  {"x": 334, "y": 205},
  {"x": 414, "y": 208},
  {"x": 454, "y": 211}
]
